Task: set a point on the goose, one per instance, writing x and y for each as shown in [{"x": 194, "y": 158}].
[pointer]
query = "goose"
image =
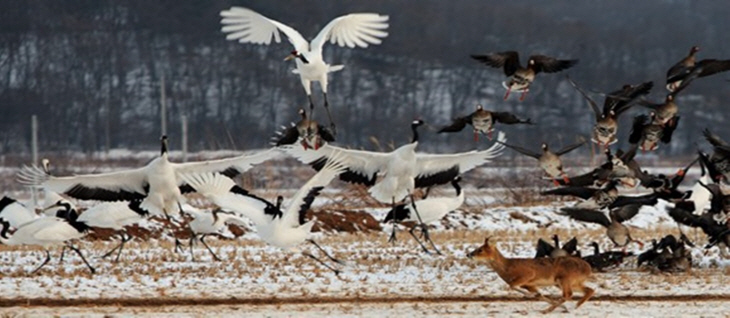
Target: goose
[
  {"x": 666, "y": 186},
  {"x": 600, "y": 261},
  {"x": 403, "y": 170},
  {"x": 522, "y": 77},
  {"x": 719, "y": 162},
  {"x": 351, "y": 30},
  {"x": 549, "y": 161},
  {"x": 717, "y": 231},
  {"x": 116, "y": 216},
  {"x": 311, "y": 133},
  {"x": 646, "y": 133},
  {"x": 620, "y": 167},
  {"x": 15, "y": 213},
  {"x": 157, "y": 184},
  {"x": 616, "y": 103},
  {"x": 666, "y": 112},
  {"x": 209, "y": 223},
  {"x": 483, "y": 122},
  {"x": 690, "y": 67},
  {"x": 615, "y": 230},
  {"x": 285, "y": 229},
  {"x": 545, "y": 249},
  {"x": 48, "y": 231},
  {"x": 429, "y": 210},
  {"x": 604, "y": 197}
]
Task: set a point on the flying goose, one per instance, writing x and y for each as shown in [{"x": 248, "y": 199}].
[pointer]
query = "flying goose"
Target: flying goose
[
  {"x": 616, "y": 103},
  {"x": 549, "y": 161},
  {"x": 310, "y": 133},
  {"x": 483, "y": 122},
  {"x": 647, "y": 133},
  {"x": 351, "y": 30},
  {"x": 617, "y": 232},
  {"x": 522, "y": 77},
  {"x": 690, "y": 67}
]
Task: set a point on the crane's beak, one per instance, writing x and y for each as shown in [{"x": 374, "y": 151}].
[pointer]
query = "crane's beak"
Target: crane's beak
[
  {"x": 55, "y": 205},
  {"x": 290, "y": 57}
]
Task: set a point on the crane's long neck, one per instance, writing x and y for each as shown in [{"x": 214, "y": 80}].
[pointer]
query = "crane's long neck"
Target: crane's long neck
[
  {"x": 414, "y": 129},
  {"x": 457, "y": 187},
  {"x": 4, "y": 232},
  {"x": 596, "y": 251}
]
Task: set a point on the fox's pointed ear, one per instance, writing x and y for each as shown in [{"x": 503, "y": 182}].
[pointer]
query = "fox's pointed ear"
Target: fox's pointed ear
[{"x": 486, "y": 240}]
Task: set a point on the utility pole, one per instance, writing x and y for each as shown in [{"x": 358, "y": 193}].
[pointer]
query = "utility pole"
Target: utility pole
[
  {"x": 163, "y": 106},
  {"x": 184, "y": 122}
]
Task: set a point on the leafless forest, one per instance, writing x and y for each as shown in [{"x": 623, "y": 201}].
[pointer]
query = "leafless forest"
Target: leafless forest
[{"x": 91, "y": 69}]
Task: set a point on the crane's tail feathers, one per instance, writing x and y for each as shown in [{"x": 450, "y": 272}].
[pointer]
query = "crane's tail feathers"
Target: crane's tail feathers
[
  {"x": 209, "y": 183},
  {"x": 335, "y": 68},
  {"x": 32, "y": 175}
]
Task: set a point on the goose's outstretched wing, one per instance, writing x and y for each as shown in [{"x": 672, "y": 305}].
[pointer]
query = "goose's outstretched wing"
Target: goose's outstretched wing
[
  {"x": 355, "y": 29},
  {"x": 434, "y": 169},
  {"x": 247, "y": 26}
]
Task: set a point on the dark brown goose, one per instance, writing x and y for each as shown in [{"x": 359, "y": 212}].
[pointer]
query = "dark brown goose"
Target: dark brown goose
[
  {"x": 522, "y": 77},
  {"x": 690, "y": 67},
  {"x": 617, "y": 232},
  {"x": 483, "y": 122},
  {"x": 600, "y": 261},
  {"x": 549, "y": 161},
  {"x": 605, "y": 197},
  {"x": 719, "y": 160},
  {"x": 647, "y": 133},
  {"x": 545, "y": 249},
  {"x": 312, "y": 134},
  {"x": 616, "y": 103}
]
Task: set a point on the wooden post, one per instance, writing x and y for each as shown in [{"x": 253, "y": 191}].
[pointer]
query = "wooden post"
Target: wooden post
[
  {"x": 184, "y": 124},
  {"x": 163, "y": 106}
]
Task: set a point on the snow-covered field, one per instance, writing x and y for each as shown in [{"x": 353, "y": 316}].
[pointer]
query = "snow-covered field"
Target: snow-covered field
[
  {"x": 378, "y": 278},
  {"x": 253, "y": 277}
]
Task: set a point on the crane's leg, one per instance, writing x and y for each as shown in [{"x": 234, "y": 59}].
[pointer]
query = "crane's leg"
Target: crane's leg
[
  {"x": 91, "y": 269},
  {"x": 333, "y": 128},
  {"x": 63, "y": 252},
  {"x": 121, "y": 246},
  {"x": 392, "y": 238},
  {"x": 307, "y": 254},
  {"x": 117, "y": 248},
  {"x": 48, "y": 258},
  {"x": 418, "y": 240},
  {"x": 325, "y": 252},
  {"x": 423, "y": 227},
  {"x": 202, "y": 240}
]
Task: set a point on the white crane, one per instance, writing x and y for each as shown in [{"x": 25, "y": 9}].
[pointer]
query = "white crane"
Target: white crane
[
  {"x": 48, "y": 231},
  {"x": 284, "y": 229},
  {"x": 351, "y": 30},
  {"x": 207, "y": 223},
  {"x": 15, "y": 213},
  {"x": 403, "y": 170},
  {"x": 429, "y": 210},
  {"x": 156, "y": 184},
  {"x": 115, "y": 216}
]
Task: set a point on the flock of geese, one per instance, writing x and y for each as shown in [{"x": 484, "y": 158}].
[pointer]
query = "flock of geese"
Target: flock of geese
[{"x": 159, "y": 188}]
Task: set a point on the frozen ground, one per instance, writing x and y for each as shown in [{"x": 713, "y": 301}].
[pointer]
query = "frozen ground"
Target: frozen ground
[
  {"x": 422, "y": 309},
  {"x": 252, "y": 275}
]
